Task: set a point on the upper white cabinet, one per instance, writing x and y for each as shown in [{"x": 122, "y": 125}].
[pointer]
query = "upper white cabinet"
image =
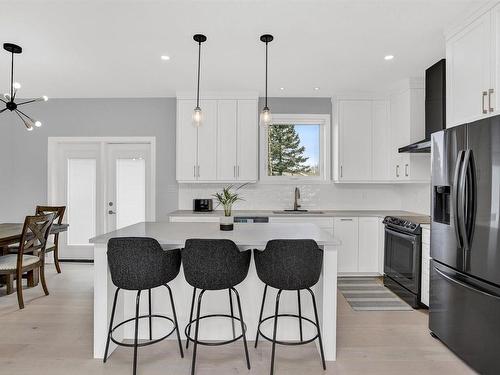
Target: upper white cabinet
[
  {"x": 407, "y": 125},
  {"x": 196, "y": 158},
  {"x": 224, "y": 148},
  {"x": 472, "y": 66},
  {"x": 355, "y": 135},
  {"x": 369, "y": 133}
]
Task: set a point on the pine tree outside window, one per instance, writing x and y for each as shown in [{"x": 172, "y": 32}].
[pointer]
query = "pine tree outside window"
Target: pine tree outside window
[{"x": 296, "y": 147}]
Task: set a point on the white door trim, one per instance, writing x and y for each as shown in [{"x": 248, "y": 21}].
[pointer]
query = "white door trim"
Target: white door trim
[{"x": 52, "y": 160}]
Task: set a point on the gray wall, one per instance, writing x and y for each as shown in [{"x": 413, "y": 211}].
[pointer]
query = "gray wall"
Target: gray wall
[{"x": 23, "y": 155}]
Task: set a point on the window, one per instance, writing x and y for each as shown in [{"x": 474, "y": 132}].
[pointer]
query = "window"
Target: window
[{"x": 296, "y": 147}]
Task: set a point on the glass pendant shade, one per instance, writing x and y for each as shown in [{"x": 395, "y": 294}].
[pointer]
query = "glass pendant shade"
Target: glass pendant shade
[
  {"x": 265, "y": 116},
  {"x": 197, "y": 117}
]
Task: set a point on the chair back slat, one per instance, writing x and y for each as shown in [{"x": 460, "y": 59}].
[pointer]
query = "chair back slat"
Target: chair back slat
[{"x": 58, "y": 210}]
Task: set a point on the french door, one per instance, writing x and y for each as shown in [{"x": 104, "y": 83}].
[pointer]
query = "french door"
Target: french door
[{"x": 105, "y": 185}]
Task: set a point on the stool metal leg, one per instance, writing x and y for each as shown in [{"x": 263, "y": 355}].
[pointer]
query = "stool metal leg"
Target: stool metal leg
[
  {"x": 195, "y": 345},
  {"x": 191, "y": 315},
  {"x": 175, "y": 320},
  {"x": 232, "y": 312},
  {"x": 242, "y": 325},
  {"x": 317, "y": 326},
  {"x": 300, "y": 315},
  {"x": 276, "y": 311},
  {"x": 136, "y": 333},
  {"x": 260, "y": 315},
  {"x": 110, "y": 326},
  {"x": 150, "y": 318}
]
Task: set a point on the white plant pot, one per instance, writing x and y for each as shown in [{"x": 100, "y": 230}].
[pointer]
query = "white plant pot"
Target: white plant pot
[{"x": 226, "y": 223}]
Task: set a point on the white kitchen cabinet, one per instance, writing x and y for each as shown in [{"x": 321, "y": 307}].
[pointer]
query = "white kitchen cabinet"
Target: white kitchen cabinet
[
  {"x": 346, "y": 230},
  {"x": 196, "y": 155},
  {"x": 368, "y": 246},
  {"x": 407, "y": 125},
  {"x": 355, "y": 147},
  {"x": 472, "y": 69},
  {"x": 426, "y": 257},
  {"x": 226, "y": 139},
  {"x": 248, "y": 141},
  {"x": 325, "y": 223},
  {"x": 381, "y": 140},
  {"x": 224, "y": 148}
]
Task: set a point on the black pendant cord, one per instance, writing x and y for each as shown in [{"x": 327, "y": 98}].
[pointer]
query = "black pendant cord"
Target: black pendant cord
[
  {"x": 266, "y": 74},
  {"x": 199, "y": 64},
  {"x": 12, "y": 78}
]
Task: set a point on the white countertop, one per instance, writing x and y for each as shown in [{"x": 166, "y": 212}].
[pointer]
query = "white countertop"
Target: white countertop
[
  {"x": 243, "y": 235},
  {"x": 326, "y": 213}
]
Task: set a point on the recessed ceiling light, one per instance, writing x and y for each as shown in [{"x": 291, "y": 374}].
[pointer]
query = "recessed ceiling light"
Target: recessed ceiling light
[
  {"x": 388, "y": 57},
  {"x": 165, "y": 57},
  {"x": 282, "y": 88},
  {"x": 316, "y": 89}
]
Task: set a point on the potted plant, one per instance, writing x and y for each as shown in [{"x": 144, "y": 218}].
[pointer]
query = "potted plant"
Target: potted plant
[{"x": 226, "y": 199}]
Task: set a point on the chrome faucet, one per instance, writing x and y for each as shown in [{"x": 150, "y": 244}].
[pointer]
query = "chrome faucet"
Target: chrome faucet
[{"x": 296, "y": 204}]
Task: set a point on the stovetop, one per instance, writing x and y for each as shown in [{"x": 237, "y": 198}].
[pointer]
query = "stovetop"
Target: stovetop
[{"x": 409, "y": 224}]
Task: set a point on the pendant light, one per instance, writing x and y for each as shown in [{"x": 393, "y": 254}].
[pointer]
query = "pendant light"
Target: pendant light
[
  {"x": 265, "y": 115},
  {"x": 9, "y": 99},
  {"x": 197, "y": 114}
]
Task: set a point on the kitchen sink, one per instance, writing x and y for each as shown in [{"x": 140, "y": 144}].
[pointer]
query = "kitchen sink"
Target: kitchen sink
[{"x": 298, "y": 212}]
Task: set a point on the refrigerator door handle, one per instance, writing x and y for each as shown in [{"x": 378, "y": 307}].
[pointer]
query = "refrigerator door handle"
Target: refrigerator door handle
[
  {"x": 455, "y": 198},
  {"x": 467, "y": 286},
  {"x": 470, "y": 196}
]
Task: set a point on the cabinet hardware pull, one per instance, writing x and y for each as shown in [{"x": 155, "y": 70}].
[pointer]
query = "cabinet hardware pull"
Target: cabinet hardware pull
[
  {"x": 238, "y": 171},
  {"x": 194, "y": 171},
  {"x": 197, "y": 171},
  {"x": 406, "y": 170},
  {"x": 397, "y": 170},
  {"x": 485, "y": 93},
  {"x": 490, "y": 92},
  {"x": 234, "y": 171},
  {"x": 341, "y": 174},
  {"x": 345, "y": 219}
]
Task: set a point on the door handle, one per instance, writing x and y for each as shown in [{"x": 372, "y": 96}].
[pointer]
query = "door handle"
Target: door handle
[
  {"x": 455, "y": 195},
  {"x": 490, "y": 93},
  {"x": 111, "y": 212},
  {"x": 485, "y": 94}
]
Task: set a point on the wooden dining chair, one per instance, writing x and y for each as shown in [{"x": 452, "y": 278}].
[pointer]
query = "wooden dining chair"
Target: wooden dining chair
[
  {"x": 34, "y": 237},
  {"x": 53, "y": 244}
]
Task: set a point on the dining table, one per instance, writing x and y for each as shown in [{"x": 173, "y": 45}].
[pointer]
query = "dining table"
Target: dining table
[{"x": 11, "y": 233}]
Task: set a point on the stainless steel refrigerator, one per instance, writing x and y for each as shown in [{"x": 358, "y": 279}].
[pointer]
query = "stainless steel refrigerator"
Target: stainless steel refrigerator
[{"x": 464, "y": 311}]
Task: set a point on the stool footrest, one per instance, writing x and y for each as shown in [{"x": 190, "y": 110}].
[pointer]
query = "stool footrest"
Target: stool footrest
[
  {"x": 149, "y": 342},
  {"x": 289, "y": 343},
  {"x": 215, "y": 343}
]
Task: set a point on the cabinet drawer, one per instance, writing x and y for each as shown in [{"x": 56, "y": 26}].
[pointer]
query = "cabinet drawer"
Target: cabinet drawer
[{"x": 323, "y": 222}]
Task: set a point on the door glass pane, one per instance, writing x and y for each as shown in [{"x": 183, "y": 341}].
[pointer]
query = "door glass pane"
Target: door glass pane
[
  {"x": 130, "y": 191},
  {"x": 81, "y": 200}
]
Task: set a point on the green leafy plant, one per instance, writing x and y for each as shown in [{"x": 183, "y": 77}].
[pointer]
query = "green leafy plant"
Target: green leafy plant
[{"x": 227, "y": 198}]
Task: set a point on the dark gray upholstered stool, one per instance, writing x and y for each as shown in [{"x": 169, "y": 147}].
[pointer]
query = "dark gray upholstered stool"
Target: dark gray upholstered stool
[
  {"x": 290, "y": 265},
  {"x": 214, "y": 265},
  {"x": 138, "y": 263}
]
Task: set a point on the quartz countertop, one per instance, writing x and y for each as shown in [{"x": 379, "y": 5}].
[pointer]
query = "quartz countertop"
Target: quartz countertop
[
  {"x": 314, "y": 213},
  {"x": 243, "y": 234}
]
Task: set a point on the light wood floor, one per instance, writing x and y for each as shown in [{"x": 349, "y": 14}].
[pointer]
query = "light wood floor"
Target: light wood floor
[{"x": 53, "y": 335}]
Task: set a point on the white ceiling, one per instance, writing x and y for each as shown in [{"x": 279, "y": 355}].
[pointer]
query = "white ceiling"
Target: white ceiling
[{"x": 112, "y": 48}]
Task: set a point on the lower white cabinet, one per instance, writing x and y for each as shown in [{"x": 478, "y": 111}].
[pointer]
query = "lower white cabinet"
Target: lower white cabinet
[
  {"x": 426, "y": 257},
  {"x": 360, "y": 250},
  {"x": 325, "y": 223}
]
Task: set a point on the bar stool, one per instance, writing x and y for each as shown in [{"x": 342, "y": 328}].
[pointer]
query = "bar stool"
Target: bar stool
[
  {"x": 214, "y": 265},
  {"x": 140, "y": 264},
  {"x": 290, "y": 265}
]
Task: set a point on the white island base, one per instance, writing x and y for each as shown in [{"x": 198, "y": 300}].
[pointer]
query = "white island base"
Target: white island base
[{"x": 246, "y": 236}]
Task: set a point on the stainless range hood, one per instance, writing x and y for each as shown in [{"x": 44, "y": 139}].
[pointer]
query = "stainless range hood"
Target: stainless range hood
[{"x": 435, "y": 107}]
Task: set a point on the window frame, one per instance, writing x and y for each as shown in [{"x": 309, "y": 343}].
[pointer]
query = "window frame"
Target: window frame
[{"x": 325, "y": 149}]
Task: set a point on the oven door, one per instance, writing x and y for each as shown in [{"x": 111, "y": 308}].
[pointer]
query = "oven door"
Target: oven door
[{"x": 402, "y": 258}]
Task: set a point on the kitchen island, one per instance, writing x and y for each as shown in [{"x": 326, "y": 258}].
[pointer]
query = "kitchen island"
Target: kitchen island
[{"x": 246, "y": 236}]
